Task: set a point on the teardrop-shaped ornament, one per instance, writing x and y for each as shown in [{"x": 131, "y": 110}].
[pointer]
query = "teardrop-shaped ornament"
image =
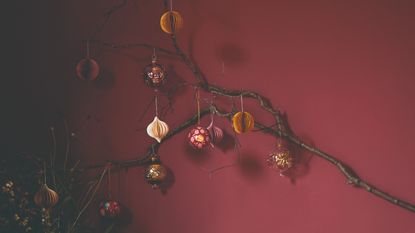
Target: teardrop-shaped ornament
[
  {"x": 157, "y": 129},
  {"x": 216, "y": 133},
  {"x": 46, "y": 197}
]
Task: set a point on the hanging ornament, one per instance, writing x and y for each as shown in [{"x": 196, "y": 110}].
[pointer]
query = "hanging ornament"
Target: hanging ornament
[
  {"x": 46, "y": 197},
  {"x": 87, "y": 68},
  {"x": 199, "y": 136},
  {"x": 157, "y": 129},
  {"x": 215, "y": 132},
  {"x": 242, "y": 121},
  {"x": 281, "y": 159},
  {"x": 109, "y": 208},
  {"x": 154, "y": 74},
  {"x": 155, "y": 173},
  {"x": 171, "y": 22}
]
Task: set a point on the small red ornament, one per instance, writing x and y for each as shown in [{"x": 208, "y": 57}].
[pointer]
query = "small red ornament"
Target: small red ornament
[
  {"x": 109, "y": 209},
  {"x": 154, "y": 74},
  {"x": 199, "y": 137},
  {"x": 87, "y": 69},
  {"x": 281, "y": 158}
]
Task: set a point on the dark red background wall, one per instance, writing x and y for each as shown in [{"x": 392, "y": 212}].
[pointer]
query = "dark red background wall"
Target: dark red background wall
[{"x": 342, "y": 70}]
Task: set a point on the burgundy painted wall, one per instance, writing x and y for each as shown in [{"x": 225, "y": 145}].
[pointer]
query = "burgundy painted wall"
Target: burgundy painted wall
[{"x": 342, "y": 70}]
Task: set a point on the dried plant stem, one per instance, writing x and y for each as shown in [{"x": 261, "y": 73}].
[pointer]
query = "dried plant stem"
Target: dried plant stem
[{"x": 264, "y": 103}]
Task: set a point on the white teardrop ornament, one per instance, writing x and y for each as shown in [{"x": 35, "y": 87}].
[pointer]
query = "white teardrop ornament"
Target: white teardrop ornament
[{"x": 157, "y": 129}]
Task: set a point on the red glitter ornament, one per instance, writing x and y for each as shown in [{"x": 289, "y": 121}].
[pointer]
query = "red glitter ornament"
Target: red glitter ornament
[
  {"x": 154, "y": 74},
  {"x": 281, "y": 158},
  {"x": 199, "y": 137},
  {"x": 109, "y": 209}
]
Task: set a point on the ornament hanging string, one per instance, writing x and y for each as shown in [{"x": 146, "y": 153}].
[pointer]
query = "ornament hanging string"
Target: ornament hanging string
[
  {"x": 109, "y": 166},
  {"x": 87, "y": 49},
  {"x": 171, "y": 5},
  {"x": 242, "y": 102},
  {"x": 156, "y": 102},
  {"x": 44, "y": 171},
  {"x": 154, "y": 57},
  {"x": 198, "y": 105}
]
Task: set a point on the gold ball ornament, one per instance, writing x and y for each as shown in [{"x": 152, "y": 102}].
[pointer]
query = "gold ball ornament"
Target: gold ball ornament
[
  {"x": 155, "y": 173},
  {"x": 242, "y": 122},
  {"x": 171, "y": 22},
  {"x": 46, "y": 197},
  {"x": 281, "y": 159}
]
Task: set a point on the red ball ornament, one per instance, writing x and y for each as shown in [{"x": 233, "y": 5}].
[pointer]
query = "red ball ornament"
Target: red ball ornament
[
  {"x": 87, "y": 69},
  {"x": 199, "y": 137},
  {"x": 281, "y": 159},
  {"x": 154, "y": 74},
  {"x": 109, "y": 209}
]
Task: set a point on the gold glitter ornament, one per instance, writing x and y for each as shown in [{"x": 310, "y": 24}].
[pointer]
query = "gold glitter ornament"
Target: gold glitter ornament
[
  {"x": 155, "y": 173},
  {"x": 281, "y": 158}
]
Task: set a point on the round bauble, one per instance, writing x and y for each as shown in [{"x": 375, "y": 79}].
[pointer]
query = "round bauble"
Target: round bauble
[
  {"x": 109, "y": 209},
  {"x": 199, "y": 137},
  {"x": 281, "y": 159},
  {"x": 242, "y": 122},
  {"x": 87, "y": 69},
  {"x": 171, "y": 22},
  {"x": 154, "y": 75},
  {"x": 155, "y": 173}
]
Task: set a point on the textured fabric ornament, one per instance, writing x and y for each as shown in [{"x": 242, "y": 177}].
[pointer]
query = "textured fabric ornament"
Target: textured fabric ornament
[
  {"x": 46, "y": 197},
  {"x": 155, "y": 173},
  {"x": 109, "y": 209},
  {"x": 199, "y": 137},
  {"x": 242, "y": 122},
  {"x": 215, "y": 133},
  {"x": 171, "y": 22},
  {"x": 281, "y": 158},
  {"x": 154, "y": 74},
  {"x": 157, "y": 129}
]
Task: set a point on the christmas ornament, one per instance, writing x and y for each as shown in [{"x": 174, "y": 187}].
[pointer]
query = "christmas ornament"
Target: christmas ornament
[
  {"x": 281, "y": 158},
  {"x": 155, "y": 173},
  {"x": 215, "y": 132},
  {"x": 199, "y": 137},
  {"x": 87, "y": 68},
  {"x": 242, "y": 121},
  {"x": 154, "y": 73},
  {"x": 171, "y": 22},
  {"x": 109, "y": 209},
  {"x": 46, "y": 197}
]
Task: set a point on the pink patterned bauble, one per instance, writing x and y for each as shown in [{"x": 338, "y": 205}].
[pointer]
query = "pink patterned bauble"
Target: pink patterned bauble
[
  {"x": 109, "y": 209},
  {"x": 199, "y": 137}
]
